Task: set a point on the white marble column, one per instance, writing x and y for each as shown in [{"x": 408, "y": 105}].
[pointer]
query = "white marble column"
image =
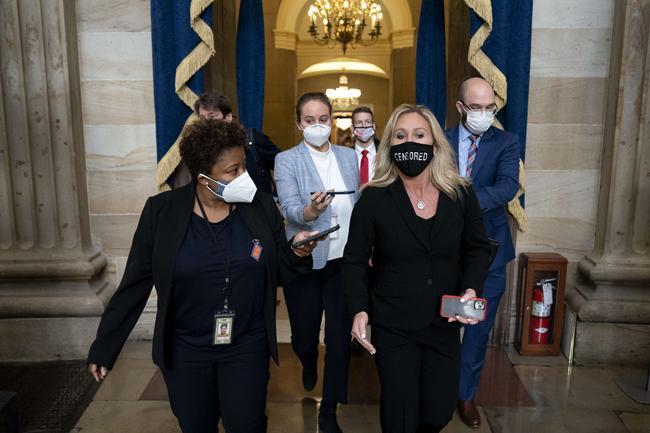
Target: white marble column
[
  {"x": 612, "y": 304},
  {"x": 50, "y": 269}
]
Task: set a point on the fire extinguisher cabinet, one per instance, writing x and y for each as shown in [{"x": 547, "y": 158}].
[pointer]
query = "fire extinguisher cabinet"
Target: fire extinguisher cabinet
[{"x": 542, "y": 280}]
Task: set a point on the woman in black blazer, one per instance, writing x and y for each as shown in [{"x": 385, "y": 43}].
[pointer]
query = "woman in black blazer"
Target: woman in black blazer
[
  {"x": 418, "y": 225},
  {"x": 214, "y": 250}
]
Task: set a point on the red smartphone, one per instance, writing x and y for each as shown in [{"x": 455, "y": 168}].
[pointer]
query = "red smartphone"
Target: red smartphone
[{"x": 472, "y": 309}]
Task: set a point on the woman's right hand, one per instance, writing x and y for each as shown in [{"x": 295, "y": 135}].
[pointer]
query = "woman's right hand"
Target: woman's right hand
[
  {"x": 320, "y": 201},
  {"x": 359, "y": 324},
  {"x": 97, "y": 371}
]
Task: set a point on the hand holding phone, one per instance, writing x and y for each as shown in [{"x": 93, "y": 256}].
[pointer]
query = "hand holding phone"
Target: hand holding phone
[
  {"x": 474, "y": 309},
  {"x": 333, "y": 193},
  {"x": 316, "y": 237}
]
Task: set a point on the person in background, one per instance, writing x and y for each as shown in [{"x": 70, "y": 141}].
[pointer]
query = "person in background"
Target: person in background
[
  {"x": 420, "y": 223},
  {"x": 260, "y": 150},
  {"x": 304, "y": 175},
  {"x": 215, "y": 250},
  {"x": 365, "y": 143},
  {"x": 489, "y": 157}
]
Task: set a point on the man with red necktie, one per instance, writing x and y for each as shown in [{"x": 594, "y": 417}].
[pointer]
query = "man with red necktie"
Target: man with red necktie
[{"x": 365, "y": 144}]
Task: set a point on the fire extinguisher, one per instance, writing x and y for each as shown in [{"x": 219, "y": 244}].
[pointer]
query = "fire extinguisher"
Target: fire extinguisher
[{"x": 540, "y": 320}]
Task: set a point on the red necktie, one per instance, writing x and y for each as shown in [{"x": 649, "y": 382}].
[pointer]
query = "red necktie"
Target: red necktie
[{"x": 363, "y": 169}]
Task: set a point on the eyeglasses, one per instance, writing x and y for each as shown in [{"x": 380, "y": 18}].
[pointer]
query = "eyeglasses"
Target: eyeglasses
[{"x": 492, "y": 109}]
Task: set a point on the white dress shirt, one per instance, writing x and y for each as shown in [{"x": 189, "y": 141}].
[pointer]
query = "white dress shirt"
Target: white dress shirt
[
  {"x": 372, "y": 153},
  {"x": 330, "y": 173}
]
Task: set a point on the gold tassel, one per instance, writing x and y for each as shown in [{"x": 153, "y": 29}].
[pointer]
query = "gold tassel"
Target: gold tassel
[
  {"x": 488, "y": 70},
  {"x": 185, "y": 70}
]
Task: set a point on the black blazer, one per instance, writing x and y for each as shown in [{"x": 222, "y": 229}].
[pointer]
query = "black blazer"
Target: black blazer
[
  {"x": 156, "y": 243},
  {"x": 411, "y": 273}
]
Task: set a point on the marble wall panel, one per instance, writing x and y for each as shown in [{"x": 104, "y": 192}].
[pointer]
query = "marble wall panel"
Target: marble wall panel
[
  {"x": 566, "y": 100},
  {"x": 117, "y": 102},
  {"x": 115, "y": 56},
  {"x": 570, "y": 194},
  {"x": 114, "y": 232},
  {"x": 570, "y": 237},
  {"x": 570, "y": 52},
  {"x": 563, "y": 147},
  {"x": 120, "y": 191},
  {"x": 113, "y": 15},
  {"x": 562, "y": 14},
  {"x": 120, "y": 147}
]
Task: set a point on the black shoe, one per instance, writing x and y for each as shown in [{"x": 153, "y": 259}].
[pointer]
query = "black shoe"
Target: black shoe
[
  {"x": 309, "y": 378},
  {"x": 327, "y": 423}
]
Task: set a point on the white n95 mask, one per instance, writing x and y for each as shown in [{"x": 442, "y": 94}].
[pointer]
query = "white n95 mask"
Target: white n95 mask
[
  {"x": 241, "y": 189},
  {"x": 317, "y": 134}
]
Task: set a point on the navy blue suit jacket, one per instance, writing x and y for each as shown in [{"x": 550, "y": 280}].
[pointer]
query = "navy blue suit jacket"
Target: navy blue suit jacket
[{"x": 495, "y": 181}]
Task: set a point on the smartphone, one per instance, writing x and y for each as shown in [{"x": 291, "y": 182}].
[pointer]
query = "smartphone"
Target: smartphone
[
  {"x": 333, "y": 192},
  {"x": 316, "y": 236},
  {"x": 472, "y": 309}
]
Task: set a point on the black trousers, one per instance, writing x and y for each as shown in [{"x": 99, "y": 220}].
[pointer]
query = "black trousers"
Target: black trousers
[
  {"x": 419, "y": 374},
  {"x": 307, "y": 297},
  {"x": 231, "y": 387}
]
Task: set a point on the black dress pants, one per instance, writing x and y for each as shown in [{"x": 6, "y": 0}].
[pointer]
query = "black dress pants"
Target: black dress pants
[
  {"x": 307, "y": 297},
  {"x": 231, "y": 386},
  {"x": 419, "y": 374}
]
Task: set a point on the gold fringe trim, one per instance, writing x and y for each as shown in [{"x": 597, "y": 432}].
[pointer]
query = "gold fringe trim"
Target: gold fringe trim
[
  {"x": 172, "y": 158},
  {"x": 488, "y": 70},
  {"x": 185, "y": 70},
  {"x": 514, "y": 206}
]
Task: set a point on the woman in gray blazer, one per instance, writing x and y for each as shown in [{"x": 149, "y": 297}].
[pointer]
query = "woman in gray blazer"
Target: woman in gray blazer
[{"x": 303, "y": 175}]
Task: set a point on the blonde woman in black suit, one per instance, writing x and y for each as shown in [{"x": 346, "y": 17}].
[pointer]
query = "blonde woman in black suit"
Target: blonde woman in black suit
[{"x": 420, "y": 223}]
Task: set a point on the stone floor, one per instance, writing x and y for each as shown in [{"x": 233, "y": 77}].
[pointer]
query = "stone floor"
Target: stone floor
[{"x": 517, "y": 395}]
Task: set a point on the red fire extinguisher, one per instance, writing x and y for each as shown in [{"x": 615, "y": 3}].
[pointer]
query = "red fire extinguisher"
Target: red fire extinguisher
[{"x": 540, "y": 320}]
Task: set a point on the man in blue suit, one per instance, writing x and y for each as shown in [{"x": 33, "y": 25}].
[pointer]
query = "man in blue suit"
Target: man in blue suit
[{"x": 490, "y": 157}]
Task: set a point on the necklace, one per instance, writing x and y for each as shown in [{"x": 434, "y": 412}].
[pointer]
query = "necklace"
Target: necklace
[{"x": 420, "y": 204}]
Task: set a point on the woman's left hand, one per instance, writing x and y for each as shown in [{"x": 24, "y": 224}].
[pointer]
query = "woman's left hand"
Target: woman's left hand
[
  {"x": 468, "y": 295},
  {"x": 304, "y": 250}
]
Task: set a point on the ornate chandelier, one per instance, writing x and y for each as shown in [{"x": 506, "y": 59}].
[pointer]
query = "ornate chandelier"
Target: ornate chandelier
[
  {"x": 344, "y": 22},
  {"x": 343, "y": 98}
]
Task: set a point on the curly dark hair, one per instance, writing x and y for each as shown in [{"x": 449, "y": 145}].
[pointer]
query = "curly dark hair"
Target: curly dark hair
[{"x": 205, "y": 140}]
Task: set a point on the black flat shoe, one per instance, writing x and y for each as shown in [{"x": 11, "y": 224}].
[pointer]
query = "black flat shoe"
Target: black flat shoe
[{"x": 309, "y": 378}]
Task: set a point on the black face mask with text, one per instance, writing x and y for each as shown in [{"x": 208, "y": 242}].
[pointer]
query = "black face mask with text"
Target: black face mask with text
[{"x": 411, "y": 158}]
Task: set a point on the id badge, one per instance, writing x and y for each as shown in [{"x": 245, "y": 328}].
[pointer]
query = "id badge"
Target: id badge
[
  {"x": 256, "y": 251},
  {"x": 335, "y": 221},
  {"x": 223, "y": 327}
]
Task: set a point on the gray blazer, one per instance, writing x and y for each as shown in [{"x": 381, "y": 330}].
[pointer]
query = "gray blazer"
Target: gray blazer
[{"x": 296, "y": 176}]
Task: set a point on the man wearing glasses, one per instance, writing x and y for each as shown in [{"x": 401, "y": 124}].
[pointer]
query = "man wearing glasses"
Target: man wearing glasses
[
  {"x": 490, "y": 158},
  {"x": 365, "y": 144}
]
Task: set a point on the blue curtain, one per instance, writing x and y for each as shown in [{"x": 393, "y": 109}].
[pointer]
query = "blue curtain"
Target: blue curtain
[
  {"x": 431, "y": 70},
  {"x": 172, "y": 40},
  {"x": 250, "y": 63},
  {"x": 509, "y": 48}
]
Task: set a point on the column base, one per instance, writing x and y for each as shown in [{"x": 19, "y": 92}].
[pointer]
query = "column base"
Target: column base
[
  {"x": 50, "y": 308},
  {"x": 609, "y": 330}
]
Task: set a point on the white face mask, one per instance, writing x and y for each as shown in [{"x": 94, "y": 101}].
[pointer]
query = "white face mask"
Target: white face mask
[
  {"x": 241, "y": 189},
  {"x": 477, "y": 122},
  {"x": 317, "y": 135}
]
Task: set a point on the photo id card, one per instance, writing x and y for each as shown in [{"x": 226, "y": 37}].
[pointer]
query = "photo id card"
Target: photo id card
[{"x": 223, "y": 327}]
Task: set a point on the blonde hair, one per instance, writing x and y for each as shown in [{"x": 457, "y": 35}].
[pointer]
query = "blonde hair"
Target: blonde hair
[{"x": 443, "y": 171}]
